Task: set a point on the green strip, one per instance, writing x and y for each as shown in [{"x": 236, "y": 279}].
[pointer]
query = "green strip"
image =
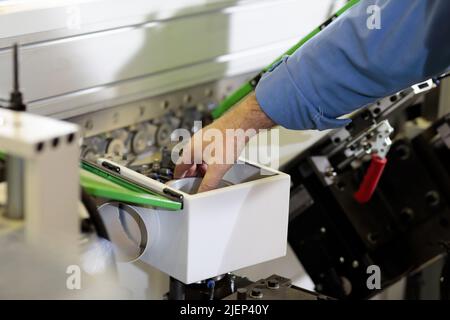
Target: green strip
[
  {"x": 347, "y": 6},
  {"x": 101, "y": 184},
  {"x": 247, "y": 88}
]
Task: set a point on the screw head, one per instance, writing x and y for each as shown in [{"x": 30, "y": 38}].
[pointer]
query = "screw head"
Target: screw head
[
  {"x": 273, "y": 284},
  {"x": 330, "y": 173},
  {"x": 242, "y": 293},
  {"x": 256, "y": 293}
]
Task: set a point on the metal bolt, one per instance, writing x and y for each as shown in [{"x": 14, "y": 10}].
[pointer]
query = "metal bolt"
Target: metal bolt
[
  {"x": 208, "y": 92},
  {"x": 187, "y": 98},
  {"x": 89, "y": 124},
  {"x": 403, "y": 152},
  {"x": 273, "y": 284},
  {"x": 330, "y": 172},
  {"x": 165, "y": 104},
  {"x": 432, "y": 198},
  {"x": 407, "y": 215},
  {"x": 242, "y": 293},
  {"x": 141, "y": 110},
  {"x": 256, "y": 293},
  {"x": 373, "y": 238}
]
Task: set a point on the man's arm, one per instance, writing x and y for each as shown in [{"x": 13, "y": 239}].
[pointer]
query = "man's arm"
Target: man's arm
[
  {"x": 342, "y": 69},
  {"x": 246, "y": 115},
  {"x": 348, "y": 65}
]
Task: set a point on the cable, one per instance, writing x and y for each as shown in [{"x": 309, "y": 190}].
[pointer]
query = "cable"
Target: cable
[
  {"x": 445, "y": 75},
  {"x": 16, "y": 67},
  {"x": 94, "y": 216},
  {"x": 99, "y": 226},
  {"x": 16, "y": 96}
]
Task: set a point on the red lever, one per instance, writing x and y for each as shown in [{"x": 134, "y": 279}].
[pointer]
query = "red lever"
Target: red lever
[{"x": 370, "y": 181}]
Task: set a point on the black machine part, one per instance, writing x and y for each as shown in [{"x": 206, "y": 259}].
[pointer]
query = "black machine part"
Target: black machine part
[
  {"x": 210, "y": 289},
  {"x": 274, "y": 288},
  {"x": 16, "y": 98},
  {"x": 233, "y": 287},
  {"x": 399, "y": 230}
]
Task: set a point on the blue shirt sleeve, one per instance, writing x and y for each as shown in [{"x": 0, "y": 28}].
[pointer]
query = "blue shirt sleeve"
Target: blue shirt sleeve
[{"x": 349, "y": 64}]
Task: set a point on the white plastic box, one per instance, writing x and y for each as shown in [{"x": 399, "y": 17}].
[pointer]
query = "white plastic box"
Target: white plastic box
[{"x": 222, "y": 230}]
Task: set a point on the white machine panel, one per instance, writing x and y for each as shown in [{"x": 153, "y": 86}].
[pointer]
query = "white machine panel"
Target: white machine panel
[
  {"x": 206, "y": 238},
  {"x": 151, "y": 52}
]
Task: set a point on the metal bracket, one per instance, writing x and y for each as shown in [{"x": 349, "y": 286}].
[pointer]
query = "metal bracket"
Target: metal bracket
[
  {"x": 324, "y": 169},
  {"x": 375, "y": 140}
]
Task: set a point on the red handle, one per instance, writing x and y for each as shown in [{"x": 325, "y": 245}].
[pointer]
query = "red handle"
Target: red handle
[{"x": 371, "y": 179}]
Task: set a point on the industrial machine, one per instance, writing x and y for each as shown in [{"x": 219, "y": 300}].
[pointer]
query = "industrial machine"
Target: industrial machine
[
  {"x": 128, "y": 75},
  {"x": 360, "y": 199},
  {"x": 122, "y": 76}
]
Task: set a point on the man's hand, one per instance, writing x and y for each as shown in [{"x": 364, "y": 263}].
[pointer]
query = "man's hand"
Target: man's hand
[{"x": 199, "y": 159}]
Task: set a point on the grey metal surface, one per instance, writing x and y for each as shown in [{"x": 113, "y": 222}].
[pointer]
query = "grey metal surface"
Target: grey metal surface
[
  {"x": 65, "y": 18},
  {"x": 120, "y": 115},
  {"x": 118, "y": 54}
]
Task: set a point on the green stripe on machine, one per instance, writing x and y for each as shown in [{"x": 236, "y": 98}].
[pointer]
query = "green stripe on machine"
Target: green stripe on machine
[{"x": 248, "y": 87}]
